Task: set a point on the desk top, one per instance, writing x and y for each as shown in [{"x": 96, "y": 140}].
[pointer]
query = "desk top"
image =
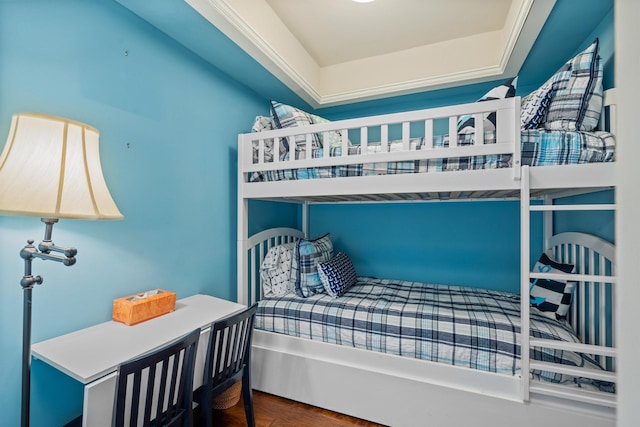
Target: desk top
[{"x": 94, "y": 352}]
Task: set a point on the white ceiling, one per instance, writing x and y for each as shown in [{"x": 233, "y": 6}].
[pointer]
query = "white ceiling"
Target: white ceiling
[
  {"x": 336, "y": 31},
  {"x": 338, "y": 51}
]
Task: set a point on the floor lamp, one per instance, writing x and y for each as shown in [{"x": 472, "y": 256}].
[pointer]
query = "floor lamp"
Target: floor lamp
[{"x": 50, "y": 168}]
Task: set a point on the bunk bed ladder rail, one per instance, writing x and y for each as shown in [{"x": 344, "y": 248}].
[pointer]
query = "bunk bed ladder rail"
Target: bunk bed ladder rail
[{"x": 592, "y": 306}]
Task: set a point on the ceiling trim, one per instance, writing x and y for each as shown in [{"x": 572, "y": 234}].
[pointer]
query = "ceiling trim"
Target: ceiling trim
[
  {"x": 227, "y": 20},
  {"x": 257, "y": 30}
]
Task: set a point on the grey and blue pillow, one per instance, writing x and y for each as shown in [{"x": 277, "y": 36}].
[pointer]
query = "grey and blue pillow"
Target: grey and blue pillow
[
  {"x": 261, "y": 124},
  {"x": 286, "y": 116},
  {"x": 551, "y": 297},
  {"x": 337, "y": 274},
  {"x": 304, "y": 267},
  {"x": 507, "y": 89}
]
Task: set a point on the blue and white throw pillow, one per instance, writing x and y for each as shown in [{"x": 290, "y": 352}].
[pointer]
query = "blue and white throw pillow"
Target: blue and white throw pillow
[
  {"x": 304, "y": 267},
  {"x": 551, "y": 297},
  {"x": 576, "y": 102},
  {"x": 337, "y": 274},
  {"x": 466, "y": 124}
]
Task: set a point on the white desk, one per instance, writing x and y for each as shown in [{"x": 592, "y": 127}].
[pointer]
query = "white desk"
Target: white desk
[{"x": 92, "y": 355}]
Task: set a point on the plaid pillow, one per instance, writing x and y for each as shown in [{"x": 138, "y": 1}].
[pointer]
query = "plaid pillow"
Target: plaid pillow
[
  {"x": 337, "y": 274},
  {"x": 551, "y": 297},
  {"x": 286, "y": 116},
  {"x": 505, "y": 90},
  {"x": 576, "y": 102},
  {"x": 334, "y": 137},
  {"x": 304, "y": 267},
  {"x": 260, "y": 124}
]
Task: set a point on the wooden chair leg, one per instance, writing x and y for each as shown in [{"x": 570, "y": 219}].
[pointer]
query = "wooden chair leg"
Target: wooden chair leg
[
  {"x": 206, "y": 411},
  {"x": 247, "y": 397}
]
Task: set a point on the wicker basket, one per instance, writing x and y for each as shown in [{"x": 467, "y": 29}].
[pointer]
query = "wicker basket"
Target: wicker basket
[{"x": 227, "y": 398}]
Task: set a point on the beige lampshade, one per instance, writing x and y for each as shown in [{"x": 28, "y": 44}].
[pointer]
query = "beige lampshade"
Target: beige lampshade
[{"x": 50, "y": 168}]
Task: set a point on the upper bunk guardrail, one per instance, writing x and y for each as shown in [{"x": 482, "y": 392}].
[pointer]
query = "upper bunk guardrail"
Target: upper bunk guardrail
[{"x": 373, "y": 150}]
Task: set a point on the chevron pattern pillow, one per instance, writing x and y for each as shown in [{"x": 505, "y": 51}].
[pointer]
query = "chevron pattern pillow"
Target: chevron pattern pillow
[
  {"x": 337, "y": 274},
  {"x": 551, "y": 297}
]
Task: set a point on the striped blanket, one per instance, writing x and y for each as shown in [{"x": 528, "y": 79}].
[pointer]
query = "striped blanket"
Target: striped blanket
[
  {"x": 539, "y": 147},
  {"x": 470, "y": 327}
]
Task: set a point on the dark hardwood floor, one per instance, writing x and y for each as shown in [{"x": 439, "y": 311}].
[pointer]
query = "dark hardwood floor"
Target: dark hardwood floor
[{"x": 274, "y": 411}]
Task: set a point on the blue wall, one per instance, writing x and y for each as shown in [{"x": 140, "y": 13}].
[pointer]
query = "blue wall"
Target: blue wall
[
  {"x": 458, "y": 243},
  {"x": 169, "y": 123}
]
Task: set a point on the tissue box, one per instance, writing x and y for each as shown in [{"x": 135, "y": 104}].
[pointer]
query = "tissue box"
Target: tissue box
[{"x": 137, "y": 308}]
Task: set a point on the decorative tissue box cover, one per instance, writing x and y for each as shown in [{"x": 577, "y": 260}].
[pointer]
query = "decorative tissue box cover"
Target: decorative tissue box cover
[{"x": 137, "y": 308}]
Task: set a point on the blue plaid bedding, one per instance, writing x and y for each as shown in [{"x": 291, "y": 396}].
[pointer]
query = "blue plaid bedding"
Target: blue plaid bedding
[
  {"x": 539, "y": 147},
  {"x": 470, "y": 327}
]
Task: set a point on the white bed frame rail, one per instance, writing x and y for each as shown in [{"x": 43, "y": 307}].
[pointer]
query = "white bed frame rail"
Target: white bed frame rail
[
  {"x": 507, "y": 137},
  {"x": 464, "y": 184}
]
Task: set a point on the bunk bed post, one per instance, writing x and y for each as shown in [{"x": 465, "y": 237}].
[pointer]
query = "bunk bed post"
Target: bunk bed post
[
  {"x": 305, "y": 219},
  {"x": 243, "y": 232},
  {"x": 525, "y": 247},
  {"x": 517, "y": 148}
]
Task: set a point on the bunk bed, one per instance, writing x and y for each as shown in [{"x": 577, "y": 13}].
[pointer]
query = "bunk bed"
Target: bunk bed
[{"x": 486, "y": 163}]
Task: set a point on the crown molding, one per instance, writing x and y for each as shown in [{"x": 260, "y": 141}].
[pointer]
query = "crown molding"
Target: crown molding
[{"x": 257, "y": 30}]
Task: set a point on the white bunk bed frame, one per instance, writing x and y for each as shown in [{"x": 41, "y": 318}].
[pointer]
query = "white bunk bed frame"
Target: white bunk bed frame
[{"x": 399, "y": 391}]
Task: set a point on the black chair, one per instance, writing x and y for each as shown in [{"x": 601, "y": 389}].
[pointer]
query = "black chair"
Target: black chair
[
  {"x": 156, "y": 389},
  {"x": 228, "y": 361}
]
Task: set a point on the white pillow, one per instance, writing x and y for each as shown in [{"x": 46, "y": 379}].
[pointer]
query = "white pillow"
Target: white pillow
[{"x": 275, "y": 271}]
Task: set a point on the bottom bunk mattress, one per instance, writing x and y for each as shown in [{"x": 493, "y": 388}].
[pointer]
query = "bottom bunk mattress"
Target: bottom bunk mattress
[{"x": 462, "y": 326}]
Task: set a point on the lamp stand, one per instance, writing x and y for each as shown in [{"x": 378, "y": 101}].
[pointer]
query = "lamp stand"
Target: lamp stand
[{"x": 29, "y": 253}]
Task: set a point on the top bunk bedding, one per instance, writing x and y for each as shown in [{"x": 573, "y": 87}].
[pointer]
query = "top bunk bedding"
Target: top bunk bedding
[
  {"x": 557, "y": 126},
  {"x": 539, "y": 147}
]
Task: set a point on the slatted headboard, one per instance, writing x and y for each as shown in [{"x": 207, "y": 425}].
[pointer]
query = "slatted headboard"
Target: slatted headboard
[
  {"x": 257, "y": 247},
  {"x": 592, "y": 309}
]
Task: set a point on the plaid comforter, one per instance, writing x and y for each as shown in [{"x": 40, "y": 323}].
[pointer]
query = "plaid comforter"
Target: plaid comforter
[
  {"x": 539, "y": 147},
  {"x": 470, "y": 327}
]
